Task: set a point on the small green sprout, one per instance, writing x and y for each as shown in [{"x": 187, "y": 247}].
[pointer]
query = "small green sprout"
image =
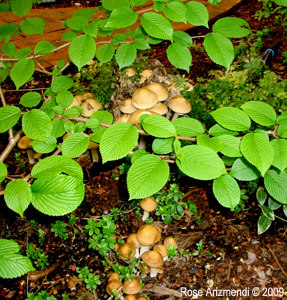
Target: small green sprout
[{"x": 59, "y": 227}]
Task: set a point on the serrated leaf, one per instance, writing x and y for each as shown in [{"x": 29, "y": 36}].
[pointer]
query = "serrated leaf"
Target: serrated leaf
[
  {"x": 243, "y": 170},
  {"x": 22, "y": 71},
  {"x": 30, "y": 99},
  {"x": 273, "y": 204},
  {"x": 147, "y": 175},
  {"x": 58, "y": 127},
  {"x": 182, "y": 38},
  {"x": 261, "y": 195},
  {"x": 281, "y": 2},
  {"x": 13, "y": 264},
  {"x": 80, "y": 127},
  {"x": 103, "y": 117},
  {"x": 268, "y": 212},
  {"x": 141, "y": 44},
  {"x": 195, "y": 161},
  {"x": 98, "y": 133},
  {"x": 157, "y": 26},
  {"x": 75, "y": 145},
  {"x": 219, "y": 48},
  {"x": 117, "y": 141},
  {"x": 230, "y": 145},
  {"x": 3, "y": 171},
  {"x": 105, "y": 53},
  {"x": 21, "y": 7},
  {"x": 69, "y": 35},
  {"x": 5, "y": 7},
  {"x": 188, "y": 127},
  {"x": 232, "y": 118},
  {"x": 122, "y": 17},
  {"x": 65, "y": 98},
  {"x": 258, "y": 151},
  {"x": 197, "y": 14},
  {"x": 77, "y": 22},
  {"x": 86, "y": 12},
  {"x": 33, "y": 26},
  {"x": 282, "y": 119},
  {"x": 57, "y": 195},
  {"x": 46, "y": 146},
  {"x": 229, "y": 161},
  {"x": 91, "y": 29},
  {"x": 158, "y": 6},
  {"x": 260, "y": 112},
  {"x": 276, "y": 185},
  {"x": 82, "y": 50},
  {"x": 175, "y": 11},
  {"x": 280, "y": 154},
  {"x": 231, "y": 27},
  {"x": 282, "y": 131},
  {"x": 137, "y": 154},
  {"x": 44, "y": 47},
  {"x": 61, "y": 83},
  {"x": 263, "y": 224},
  {"x": 8, "y": 49},
  {"x": 227, "y": 191},
  {"x": 217, "y": 130},
  {"x": 179, "y": 56},
  {"x": 138, "y": 2},
  {"x": 126, "y": 55},
  {"x": 9, "y": 116},
  {"x": 158, "y": 126},
  {"x": 114, "y": 4},
  {"x": 162, "y": 146},
  {"x": 213, "y": 143},
  {"x": 92, "y": 123}
]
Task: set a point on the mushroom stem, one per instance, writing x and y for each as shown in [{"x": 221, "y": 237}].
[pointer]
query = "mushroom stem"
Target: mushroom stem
[
  {"x": 142, "y": 144},
  {"x": 145, "y": 215},
  {"x": 30, "y": 154},
  {"x": 137, "y": 255},
  {"x": 95, "y": 155},
  {"x": 175, "y": 116},
  {"x": 153, "y": 272},
  {"x": 144, "y": 249}
]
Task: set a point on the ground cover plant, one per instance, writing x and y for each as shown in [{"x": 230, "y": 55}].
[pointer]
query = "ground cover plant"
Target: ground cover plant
[{"x": 244, "y": 141}]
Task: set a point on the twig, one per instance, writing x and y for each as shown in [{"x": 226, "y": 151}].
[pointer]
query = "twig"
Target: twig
[
  {"x": 11, "y": 145},
  {"x": 277, "y": 261},
  {"x": 24, "y": 90}
]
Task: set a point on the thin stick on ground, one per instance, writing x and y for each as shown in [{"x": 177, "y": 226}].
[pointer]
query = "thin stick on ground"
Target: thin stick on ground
[{"x": 277, "y": 262}]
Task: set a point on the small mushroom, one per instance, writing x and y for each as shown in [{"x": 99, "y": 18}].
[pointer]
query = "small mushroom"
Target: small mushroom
[
  {"x": 37, "y": 155},
  {"x": 147, "y": 235},
  {"x": 144, "y": 99},
  {"x": 154, "y": 260},
  {"x": 170, "y": 241},
  {"x": 116, "y": 247},
  {"x": 114, "y": 276},
  {"x": 90, "y": 106},
  {"x": 71, "y": 284},
  {"x": 24, "y": 143},
  {"x": 160, "y": 90},
  {"x": 180, "y": 106},
  {"x": 146, "y": 74},
  {"x": 114, "y": 284},
  {"x": 134, "y": 118},
  {"x": 94, "y": 151},
  {"x": 122, "y": 118},
  {"x": 132, "y": 287},
  {"x": 162, "y": 249},
  {"x": 142, "y": 298},
  {"x": 148, "y": 204},
  {"x": 130, "y": 297},
  {"x": 160, "y": 108},
  {"x": 126, "y": 251},
  {"x": 132, "y": 239},
  {"x": 130, "y": 72},
  {"x": 127, "y": 107}
]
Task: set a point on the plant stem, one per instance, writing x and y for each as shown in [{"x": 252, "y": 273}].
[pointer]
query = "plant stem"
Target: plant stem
[
  {"x": 12, "y": 142},
  {"x": 280, "y": 218}
]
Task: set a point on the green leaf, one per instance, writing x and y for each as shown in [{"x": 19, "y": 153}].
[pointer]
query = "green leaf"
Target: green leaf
[
  {"x": 22, "y": 71},
  {"x": 232, "y": 27},
  {"x": 61, "y": 83},
  {"x": 258, "y": 151},
  {"x": 126, "y": 55},
  {"x": 105, "y": 53},
  {"x": 273, "y": 204},
  {"x": 195, "y": 161},
  {"x": 91, "y": 29},
  {"x": 268, "y": 212},
  {"x": 158, "y": 6},
  {"x": 65, "y": 98},
  {"x": 122, "y": 17},
  {"x": 261, "y": 195},
  {"x": 157, "y": 26},
  {"x": 232, "y": 118},
  {"x": 46, "y": 146},
  {"x": 33, "y": 26},
  {"x": 188, "y": 127},
  {"x": 86, "y": 12},
  {"x": 92, "y": 123},
  {"x": 138, "y": 2},
  {"x": 147, "y": 175},
  {"x": 229, "y": 161},
  {"x": 158, "y": 126},
  {"x": 230, "y": 145},
  {"x": 179, "y": 56},
  {"x": 5, "y": 7},
  {"x": 197, "y": 14},
  {"x": 44, "y": 47},
  {"x": 37, "y": 124},
  {"x": 281, "y": 2},
  {"x": 182, "y": 38},
  {"x": 162, "y": 146},
  {"x": 260, "y": 112},
  {"x": 117, "y": 141},
  {"x": 263, "y": 224},
  {"x": 12, "y": 263},
  {"x": 3, "y": 171},
  {"x": 219, "y": 48},
  {"x": 282, "y": 119},
  {"x": 8, "y": 49},
  {"x": 227, "y": 191},
  {"x": 22, "y": 53},
  {"x": 276, "y": 185},
  {"x": 58, "y": 127},
  {"x": 285, "y": 209},
  {"x": 243, "y": 170},
  {"x": 75, "y": 145},
  {"x": 282, "y": 131},
  {"x": 21, "y": 7},
  {"x": 30, "y": 99},
  {"x": 18, "y": 196},
  {"x": 280, "y": 153},
  {"x": 103, "y": 117},
  {"x": 9, "y": 116},
  {"x": 137, "y": 154},
  {"x": 114, "y": 4},
  {"x": 69, "y": 35},
  {"x": 141, "y": 44},
  {"x": 175, "y": 11},
  {"x": 213, "y": 143},
  {"x": 77, "y": 22},
  {"x": 57, "y": 195},
  {"x": 55, "y": 165},
  {"x": 98, "y": 133},
  {"x": 82, "y": 50},
  {"x": 80, "y": 127}
]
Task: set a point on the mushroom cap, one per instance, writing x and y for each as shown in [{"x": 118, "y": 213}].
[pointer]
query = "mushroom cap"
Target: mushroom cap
[
  {"x": 114, "y": 276},
  {"x": 144, "y": 98},
  {"x": 90, "y": 106},
  {"x": 132, "y": 287},
  {"x": 160, "y": 90},
  {"x": 179, "y": 105},
  {"x": 132, "y": 239},
  {"x": 162, "y": 249},
  {"x": 134, "y": 117},
  {"x": 160, "y": 108},
  {"x": 141, "y": 298},
  {"x": 37, "y": 155},
  {"x": 145, "y": 269},
  {"x": 145, "y": 74},
  {"x": 114, "y": 284},
  {"x": 153, "y": 259},
  {"x": 148, "y": 204},
  {"x": 116, "y": 247},
  {"x": 177, "y": 88},
  {"x": 93, "y": 145},
  {"x": 24, "y": 143},
  {"x": 148, "y": 235},
  {"x": 71, "y": 284},
  {"x": 76, "y": 101},
  {"x": 126, "y": 251},
  {"x": 127, "y": 107},
  {"x": 130, "y": 72},
  {"x": 169, "y": 241},
  {"x": 122, "y": 118},
  {"x": 130, "y": 297}
]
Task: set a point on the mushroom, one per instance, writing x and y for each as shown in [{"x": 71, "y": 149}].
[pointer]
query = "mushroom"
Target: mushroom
[
  {"x": 24, "y": 143},
  {"x": 160, "y": 108},
  {"x": 114, "y": 284},
  {"x": 180, "y": 106},
  {"x": 160, "y": 90},
  {"x": 170, "y": 241},
  {"x": 147, "y": 235},
  {"x": 132, "y": 287},
  {"x": 122, "y": 118},
  {"x": 148, "y": 204},
  {"x": 142, "y": 298},
  {"x": 144, "y": 99},
  {"x": 37, "y": 155},
  {"x": 130, "y": 72},
  {"x": 126, "y": 251},
  {"x": 177, "y": 88},
  {"x": 127, "y": 107},
  {"x": 71, "y": 284},
  {"x": 130, "y": 297},
  {"x": 114, "y": 276},
  {"x": 116, "y": 247},
  {"x": 145, "y": 269},
  {"x": 154, "y": 260},
  {"x": 134, "y": 117},
  {"x": 132, "y": 239},
  {"x": 162, "y": 249},
  {"x": 90, "y": 106},
  {"x": 146, "y": 74},
  {"x": 76, "y": 101},
  {"x": 95, "y": 154}
]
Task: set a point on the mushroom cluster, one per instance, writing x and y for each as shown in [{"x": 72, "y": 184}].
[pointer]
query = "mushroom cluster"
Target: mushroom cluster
[{"x": 88, "y": 103}]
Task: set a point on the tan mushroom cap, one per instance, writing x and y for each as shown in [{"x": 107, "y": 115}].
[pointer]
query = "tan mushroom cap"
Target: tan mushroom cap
[
  {"x": 24, "y": 143},
  {"x": 114, "y": 276},
  {"x": 126, "y": 251},
  {"x": 90, "y": 106},
  {"x": 93, "y": 145},
  {"x": 148, "y": 235},
  {"x": 127, "y": 107},
  {"x": 130, "y": 297},
  {"x": 116, "y": 247},
  {"x": 130, "y": 72},
  {"x": 160, "y": 90},
  {"x": 153, "y": 259},
  {"x": 123, "y": 118},
  {"x": 132, "y": 239},
  {"x": 76, "y": 101},
  {"x": 146, "y": 74},
  {"x": 113, "y": 285},
  {"x": 177, "y": 88},
  {"x": 134, "y": 117},
  {"x": 162, "y": 249},
  {"x": 148, "y": 204},
  {"x": 145, "y": 269},
  {"x": 37, "y": 155},
  {"x": 170, "y": 241},
  {"x": 160, "y": 108},
  {"x": 142, "y": 298},
  {"x": 179, "y": 105},
  {"x": 144, "y": 98},
  {"x": 132, "y": 287}
]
